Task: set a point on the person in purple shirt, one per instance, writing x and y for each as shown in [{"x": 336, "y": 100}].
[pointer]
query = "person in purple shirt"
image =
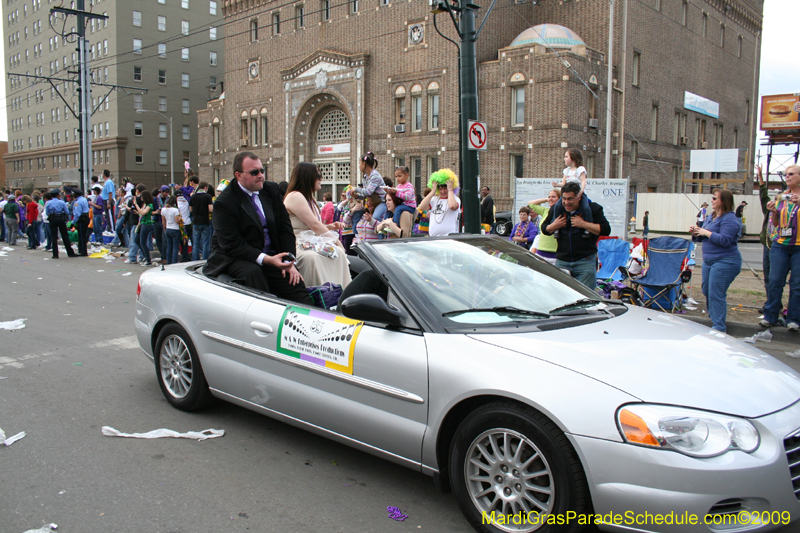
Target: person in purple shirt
[
  {"x": 722, "y": 261},
  {"x": 525, "y": 230},
  {"x": 98, "y": 210}
]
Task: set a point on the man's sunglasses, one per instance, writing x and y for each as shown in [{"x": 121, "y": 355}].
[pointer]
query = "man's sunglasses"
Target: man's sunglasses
[{"x": 256, "y": 172}]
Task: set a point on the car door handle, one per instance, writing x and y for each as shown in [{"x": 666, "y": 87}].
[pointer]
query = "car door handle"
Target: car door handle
[{"x": 261, "y": 329}]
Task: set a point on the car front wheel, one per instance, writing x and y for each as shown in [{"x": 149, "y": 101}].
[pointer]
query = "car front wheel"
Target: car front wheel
[
  {"x": 514, "y": 471},
  {"x": 178, "y": 369}
]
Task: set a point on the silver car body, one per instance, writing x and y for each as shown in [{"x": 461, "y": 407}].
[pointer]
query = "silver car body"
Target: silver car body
[{"x": 406, "y": 382}]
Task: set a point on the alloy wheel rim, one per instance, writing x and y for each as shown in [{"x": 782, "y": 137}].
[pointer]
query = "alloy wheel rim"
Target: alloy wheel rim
[
  {"x": 176, "y": 366},
  {"x": 506, "y": 473}
]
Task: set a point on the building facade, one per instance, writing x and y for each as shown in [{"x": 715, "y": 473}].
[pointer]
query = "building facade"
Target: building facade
[
  {"x": 167, "y": 55},
  {"x": 326, "y": 82}
]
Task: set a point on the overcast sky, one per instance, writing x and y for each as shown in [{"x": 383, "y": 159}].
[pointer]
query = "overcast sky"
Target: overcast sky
[{"x": 780, "y": 63}]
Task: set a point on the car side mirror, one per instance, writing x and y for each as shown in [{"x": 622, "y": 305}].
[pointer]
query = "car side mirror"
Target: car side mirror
[{"x": 371, "y": 308}]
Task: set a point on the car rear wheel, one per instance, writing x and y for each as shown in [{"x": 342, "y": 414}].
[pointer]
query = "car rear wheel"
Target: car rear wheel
[
  {"x": 503, "y": 229},
  {"x": 178, "y": 369},
  {"x": 511, "y": 467}
]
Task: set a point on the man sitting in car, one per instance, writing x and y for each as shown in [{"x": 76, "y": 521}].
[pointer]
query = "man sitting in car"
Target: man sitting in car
[{"x": 253, "y": 236}]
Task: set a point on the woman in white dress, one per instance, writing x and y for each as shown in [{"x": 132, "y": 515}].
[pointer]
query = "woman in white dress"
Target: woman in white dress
[{"x": 304, "y": 214}]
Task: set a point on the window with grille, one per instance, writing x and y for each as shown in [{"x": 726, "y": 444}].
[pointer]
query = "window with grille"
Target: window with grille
[{"x": 334, "y": 126}]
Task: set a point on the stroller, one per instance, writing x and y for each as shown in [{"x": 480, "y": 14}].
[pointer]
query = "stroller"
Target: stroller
[{"x": 666, "y": 272}]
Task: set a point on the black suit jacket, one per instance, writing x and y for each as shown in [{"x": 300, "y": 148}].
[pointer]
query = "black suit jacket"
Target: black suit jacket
[{"x": 237, "y": 227}]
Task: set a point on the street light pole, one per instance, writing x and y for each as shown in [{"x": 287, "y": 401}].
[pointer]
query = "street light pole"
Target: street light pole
[{"x": 171, "y": 158}]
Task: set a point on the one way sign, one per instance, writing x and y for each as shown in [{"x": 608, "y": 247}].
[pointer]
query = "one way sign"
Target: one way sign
[{"x": 477, "y": 135}]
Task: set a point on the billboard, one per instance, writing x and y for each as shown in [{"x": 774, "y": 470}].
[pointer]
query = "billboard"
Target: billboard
[
  {"x": 780, "y": 112},
  {"x": 698, "y": 104}
]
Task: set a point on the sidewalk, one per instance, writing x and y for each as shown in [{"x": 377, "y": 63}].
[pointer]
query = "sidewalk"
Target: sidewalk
[{"x": 740, "y": 330}]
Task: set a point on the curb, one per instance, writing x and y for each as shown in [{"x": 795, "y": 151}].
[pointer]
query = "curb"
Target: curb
[{"x": 738, "y": 329}]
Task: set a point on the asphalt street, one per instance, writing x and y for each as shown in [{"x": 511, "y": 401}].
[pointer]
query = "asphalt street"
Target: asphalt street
[
  {"x": 76, "y": 367},
  {"x": 751, "y": 255}
]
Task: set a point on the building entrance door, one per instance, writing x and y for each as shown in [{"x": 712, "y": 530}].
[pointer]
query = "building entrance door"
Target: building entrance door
[{"x": 335, "y": 177}]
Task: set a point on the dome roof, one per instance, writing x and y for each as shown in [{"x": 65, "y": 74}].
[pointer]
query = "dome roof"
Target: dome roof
[{"x": 549, "y": 35}]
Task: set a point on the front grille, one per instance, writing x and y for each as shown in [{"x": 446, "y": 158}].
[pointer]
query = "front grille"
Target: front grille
[{"x": 792, "y": 446}]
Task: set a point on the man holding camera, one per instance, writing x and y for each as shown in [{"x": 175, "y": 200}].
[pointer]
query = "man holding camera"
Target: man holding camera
[{"x": 575, "y": 253}]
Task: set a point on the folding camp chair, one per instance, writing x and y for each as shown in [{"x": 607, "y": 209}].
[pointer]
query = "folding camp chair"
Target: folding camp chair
[
  {"x": 661, "y": 286},
  {"x": 612, "y": 254}
]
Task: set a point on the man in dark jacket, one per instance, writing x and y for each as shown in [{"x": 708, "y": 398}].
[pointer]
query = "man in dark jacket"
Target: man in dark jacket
[
  {"x": 253, "y": 234},
  {"x": 487, "y": 207},
  {"x": 577, "y": 253}
]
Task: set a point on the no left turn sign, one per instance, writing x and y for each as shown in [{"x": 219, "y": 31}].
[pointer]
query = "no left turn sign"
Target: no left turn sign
[{"x": 477, "y": 135}]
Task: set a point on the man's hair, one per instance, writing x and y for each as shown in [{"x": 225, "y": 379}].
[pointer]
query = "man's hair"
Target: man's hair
[
  {"x": 487, "y": 188},
  {"x": 106, "y": 173},
  {"x": 239, "y": 159},
  {"x": 141, "y": 187},
  {"x": 194, "y": 179},
  {"x": 571, "y": 186},
  {"x": 95, "y": 179},
  {"x": 328, "y": 196},
  {"x": 203, "y": 186}
]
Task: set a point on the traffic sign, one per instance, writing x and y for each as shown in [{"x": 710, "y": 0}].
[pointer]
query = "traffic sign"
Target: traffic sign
[{"x": 477, "y": 135}]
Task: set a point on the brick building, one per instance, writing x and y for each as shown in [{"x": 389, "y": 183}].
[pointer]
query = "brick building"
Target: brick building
[
  {"x": 325, "y": 82},
  {"x": 173, "y": 50}
]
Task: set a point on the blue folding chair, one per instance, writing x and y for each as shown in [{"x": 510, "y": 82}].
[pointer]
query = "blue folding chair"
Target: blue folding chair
[
  {"x": 612, "y": 254},
  {"x": 661, "y": 286}
]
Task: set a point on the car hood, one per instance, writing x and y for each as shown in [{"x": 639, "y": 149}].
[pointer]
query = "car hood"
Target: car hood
[{"x": 660, "y": 358}]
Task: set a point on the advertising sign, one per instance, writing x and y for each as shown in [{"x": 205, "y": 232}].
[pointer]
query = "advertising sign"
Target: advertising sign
[
  {"x": 780, "y": 112},
  {"x": 699, "y": 104},
  {"x": 611, "y": 194},
  {"x": 714, "y": 160},
  {"x": 318, "y": 337}
]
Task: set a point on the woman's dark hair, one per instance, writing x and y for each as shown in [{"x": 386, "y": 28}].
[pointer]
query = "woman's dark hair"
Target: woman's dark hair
[
  {"x": 576, "y": 156},
  {"x": 146, "y": 197},
  {"x": 388, "y": 181},
  {"x": 395, "y": 200},
  {"x": 374, "y": 201},
  {"x": 328, "y": 197},
  {"x": 172, "y": 201},
  {"x": 303, "y": 180},
  {"x": 369, "y": 160},
  {"x": 525, "y": 209},
  {"x": 47, "y": 196},
  {"x": 726, "y": 199}
]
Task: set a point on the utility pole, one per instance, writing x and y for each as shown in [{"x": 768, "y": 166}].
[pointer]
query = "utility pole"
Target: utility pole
[
  {"x": 463, "y": 17},
  {"x": 85, "y": 110},
  {"x": 84, "y": 89}
]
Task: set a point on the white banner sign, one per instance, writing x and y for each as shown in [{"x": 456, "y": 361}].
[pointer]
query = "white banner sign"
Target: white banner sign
[
  {"x": 611, "y": 194},
  {"x": 694, "y": 102},
  {"x": 714, "y": 160},
  {"x": 329, "y": 149}
]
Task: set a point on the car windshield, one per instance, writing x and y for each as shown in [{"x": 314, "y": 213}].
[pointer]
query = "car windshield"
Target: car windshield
[{"x": 483, "y": 280}]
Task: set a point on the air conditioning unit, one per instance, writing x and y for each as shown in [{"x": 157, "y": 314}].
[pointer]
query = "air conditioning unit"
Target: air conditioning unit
[
  {"x": 243, "y": 142},
  {"x": 399, "y": 128},
  {"x": 704, "y": 145},
  {"x": 594, "y": 123},
  {"x": 684, "y": 141}
]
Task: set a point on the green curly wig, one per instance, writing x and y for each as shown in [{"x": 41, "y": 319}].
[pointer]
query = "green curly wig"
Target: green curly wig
[{"x": 440, "y": 177}]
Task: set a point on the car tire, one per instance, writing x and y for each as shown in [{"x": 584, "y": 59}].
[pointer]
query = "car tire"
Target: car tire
[
  {"x": 178, "y": 369},
  {"x": 535, "y": 446},
  {"x": 503, "y": 229}
]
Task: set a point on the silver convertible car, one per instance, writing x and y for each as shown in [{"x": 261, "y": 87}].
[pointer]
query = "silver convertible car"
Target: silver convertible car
[{"x": 540, "y": 405}]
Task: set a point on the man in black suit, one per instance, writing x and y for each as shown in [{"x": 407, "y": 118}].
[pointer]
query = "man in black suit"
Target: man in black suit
[{"x": 253, "y": 234}]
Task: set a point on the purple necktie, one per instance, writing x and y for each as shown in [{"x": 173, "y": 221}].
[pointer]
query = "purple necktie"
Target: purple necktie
[{"x": 254, "y": 199}]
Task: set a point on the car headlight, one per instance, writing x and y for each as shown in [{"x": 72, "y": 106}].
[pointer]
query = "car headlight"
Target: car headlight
[{"x": 688, "y": 431}]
